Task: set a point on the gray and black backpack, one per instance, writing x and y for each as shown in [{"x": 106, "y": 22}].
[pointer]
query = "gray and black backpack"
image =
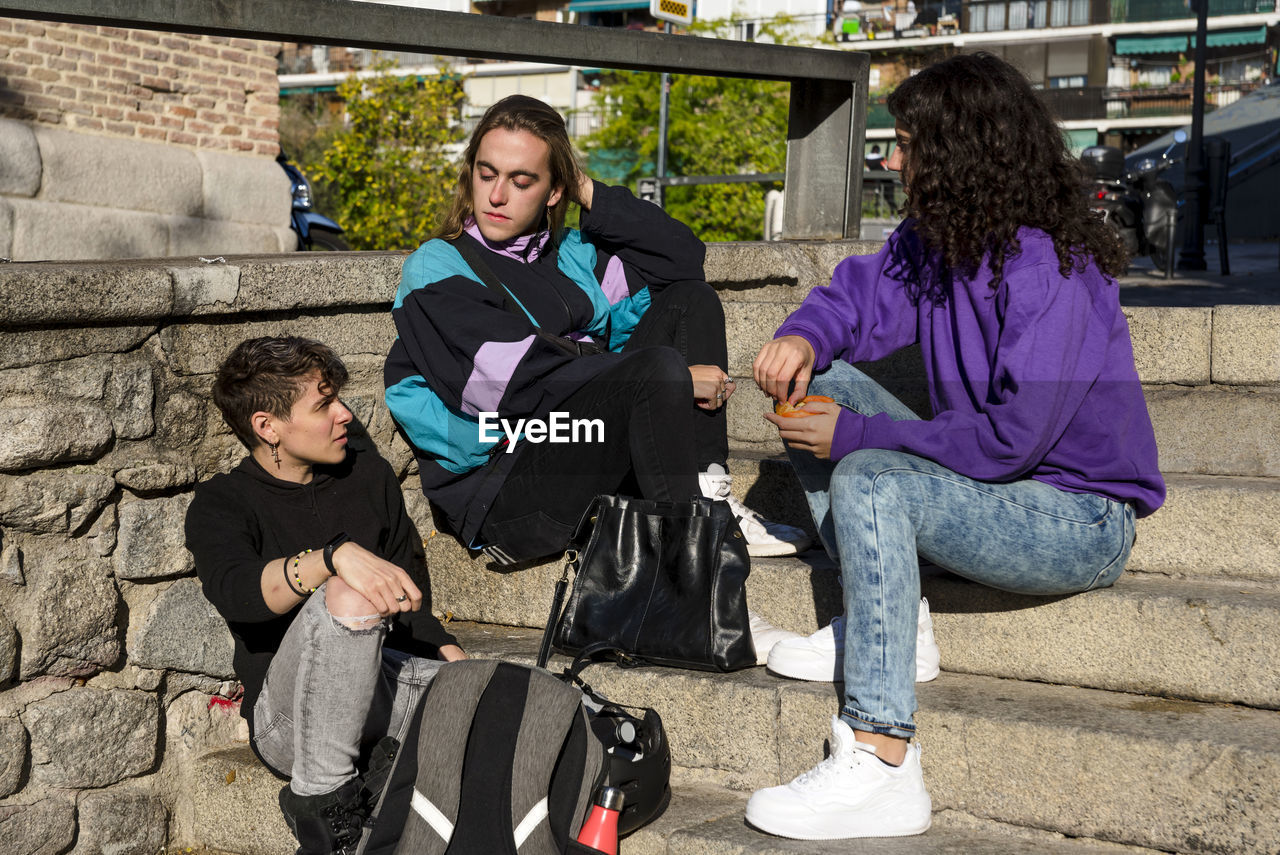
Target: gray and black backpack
[{"x": 504, "y": 759}]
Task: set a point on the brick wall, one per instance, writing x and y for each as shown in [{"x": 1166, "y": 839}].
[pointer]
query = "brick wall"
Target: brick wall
[{"x": 205, "y": 92}]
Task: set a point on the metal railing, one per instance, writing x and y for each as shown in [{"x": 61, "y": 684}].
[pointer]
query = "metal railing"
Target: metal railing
[
  {"x": 1126, "y": 11},
  {"x": 999, "y": 15},
  {"x": 827, "y": 118},
  {"x": 1101, "y": 102}
]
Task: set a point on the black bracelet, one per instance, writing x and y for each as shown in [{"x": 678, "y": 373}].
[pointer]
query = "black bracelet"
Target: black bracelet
[
  {"x": 288, "y": 584},
  {"x": 338, "y": 539}
]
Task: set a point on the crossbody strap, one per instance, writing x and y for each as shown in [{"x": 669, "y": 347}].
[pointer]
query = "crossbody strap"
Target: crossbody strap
[
  {"x": 471, "y": 254},
  {"x": 466, "y": 247}
]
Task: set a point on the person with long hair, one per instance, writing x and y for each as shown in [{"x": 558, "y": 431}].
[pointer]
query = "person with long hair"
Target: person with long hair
[
  {"x": 507, "y": 321},
  {"x": 1039, "y": 455}
]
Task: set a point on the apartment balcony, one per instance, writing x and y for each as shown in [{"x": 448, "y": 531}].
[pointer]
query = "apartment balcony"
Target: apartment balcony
[
  {"x": 1099, "y": 102},
  {"x": 1136, "y": 11},
  {"x": 948, "y": 21},
  {"x": 1037, "y": 14}
]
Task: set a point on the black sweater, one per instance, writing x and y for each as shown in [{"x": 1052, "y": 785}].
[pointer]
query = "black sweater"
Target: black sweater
[{"x": 239, "y": 521}]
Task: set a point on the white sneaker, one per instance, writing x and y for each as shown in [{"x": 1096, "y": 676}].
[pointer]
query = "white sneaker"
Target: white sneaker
[
  {"x": 765, "y": 635},
  {"x": 850, "y": 794},
  {"x": 928, "y": 656},
  {"x": 820, "y": 657},
  {"x": 764, "y": 538}
]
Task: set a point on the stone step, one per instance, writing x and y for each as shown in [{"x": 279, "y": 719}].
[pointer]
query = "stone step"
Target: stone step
[
  {"x": 1225, "y": 345},
  {"x": 1211, "y": 527},
  {"x": 1185, "y": 638},
  {"x": 704, "y": 819},
  {"x": 240, "y": 817},
  {"x": 1211, "y": 378},
  {"x": 1217, "y": 527},
  {"x": 1125, "y": 768},
  {"x": 1199, "y": 430}
]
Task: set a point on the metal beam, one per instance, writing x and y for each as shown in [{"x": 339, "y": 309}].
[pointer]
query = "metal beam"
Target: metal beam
[
  {"x": 400, "y": 28},
  {"x": 824, "y": 159},
  {"x": 828, "y": 87}
]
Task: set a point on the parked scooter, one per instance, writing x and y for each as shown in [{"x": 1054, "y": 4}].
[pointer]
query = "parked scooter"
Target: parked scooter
[
  {"x": 1140, "y": 204},
  {"x": 315, "y": 231}
]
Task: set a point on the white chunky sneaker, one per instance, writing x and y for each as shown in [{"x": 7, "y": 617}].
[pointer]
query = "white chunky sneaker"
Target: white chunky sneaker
[
  {"x": 765, "y": 635},
  {"x": 928, "y": 656},
  {"x": 764, "y": 538},
  {"x": 850, "y": 794},
  {"x": 820, "y": 657}
]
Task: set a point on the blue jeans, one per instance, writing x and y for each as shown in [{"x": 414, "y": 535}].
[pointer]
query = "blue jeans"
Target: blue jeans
[
  {"x": 877, "y": 510},
  {"x": 330, "y": 691}
]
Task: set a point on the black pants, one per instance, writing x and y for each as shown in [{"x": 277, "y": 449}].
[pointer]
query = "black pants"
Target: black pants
[{"x": 654, "y": 442}]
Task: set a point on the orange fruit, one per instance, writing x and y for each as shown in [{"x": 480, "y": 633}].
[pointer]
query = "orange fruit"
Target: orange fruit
[{"x": 787, "y": 411}]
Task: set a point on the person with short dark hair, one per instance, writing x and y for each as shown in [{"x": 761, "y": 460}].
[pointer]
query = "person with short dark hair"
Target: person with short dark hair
[
  {"x": 307, "y": 552},
  {"x": 1037, "y": 460}
]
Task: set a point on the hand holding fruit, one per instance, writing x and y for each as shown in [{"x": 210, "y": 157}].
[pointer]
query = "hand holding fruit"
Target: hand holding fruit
[{"x": 809, "y": 425}]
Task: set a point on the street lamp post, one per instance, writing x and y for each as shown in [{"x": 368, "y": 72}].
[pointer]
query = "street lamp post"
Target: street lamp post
[{"x": 1197, "y": 188}]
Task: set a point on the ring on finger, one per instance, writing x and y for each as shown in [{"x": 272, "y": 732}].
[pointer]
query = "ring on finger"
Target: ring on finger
[{"x": 402, "y": 598}]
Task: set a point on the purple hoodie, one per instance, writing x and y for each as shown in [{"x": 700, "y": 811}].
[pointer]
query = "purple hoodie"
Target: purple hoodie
[{"x": 1034, "y": 379}]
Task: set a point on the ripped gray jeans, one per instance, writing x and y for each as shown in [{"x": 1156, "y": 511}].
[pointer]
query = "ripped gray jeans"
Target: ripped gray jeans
[{"x": 330, "y": 690}]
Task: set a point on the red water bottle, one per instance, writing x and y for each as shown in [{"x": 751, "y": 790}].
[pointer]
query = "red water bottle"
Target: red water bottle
[{"x": 600, "y": 831}]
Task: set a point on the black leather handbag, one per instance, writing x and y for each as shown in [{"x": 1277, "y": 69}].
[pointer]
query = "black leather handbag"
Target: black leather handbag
[{"x": 664, "y": 582}]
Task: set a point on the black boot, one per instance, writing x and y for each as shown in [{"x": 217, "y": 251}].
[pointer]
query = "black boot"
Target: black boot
[
  {"x": 378, "y": 771},
  {"x": 327, "y": 824}
]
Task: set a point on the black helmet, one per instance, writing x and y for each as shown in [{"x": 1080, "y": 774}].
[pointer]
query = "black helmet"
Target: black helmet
[{"x": 638, "y": 761}]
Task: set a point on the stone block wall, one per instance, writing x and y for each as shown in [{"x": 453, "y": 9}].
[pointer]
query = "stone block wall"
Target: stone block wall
[
  {"x": 121, "y": 143},
  {"x": 115, "y": 672}
]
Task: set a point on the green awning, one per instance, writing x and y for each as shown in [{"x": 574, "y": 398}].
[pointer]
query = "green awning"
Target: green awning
[
  {"x": 606, "y": 5},
  {"x": 1078, "y": 139},
  {"x": 1230, "y": 38},
  {"x": 1151, "y": 44},
  {"x": 1179, "y": 44}
]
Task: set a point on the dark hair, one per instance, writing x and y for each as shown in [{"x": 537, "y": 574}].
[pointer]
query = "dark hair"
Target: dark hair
[
  {"x": 986, "y": 157},
  {"x": 267, "y": 375},
  {"x": 518, "y": 113}
]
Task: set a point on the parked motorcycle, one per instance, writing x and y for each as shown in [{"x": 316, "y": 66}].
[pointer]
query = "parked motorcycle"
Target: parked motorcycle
[
  {"x": 1140, "y": 204},
  {"x": 315, "y": 230}
]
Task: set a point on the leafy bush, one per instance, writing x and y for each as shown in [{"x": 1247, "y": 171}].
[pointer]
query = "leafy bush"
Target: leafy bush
[
  {"x": 716, "y": 126},
  {"x": 389, "y": 170}
]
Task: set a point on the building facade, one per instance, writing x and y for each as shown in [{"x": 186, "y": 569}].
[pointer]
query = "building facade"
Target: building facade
[{"x": 122, "y": 143}]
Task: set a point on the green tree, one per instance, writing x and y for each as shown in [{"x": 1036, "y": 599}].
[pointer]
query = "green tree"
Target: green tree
[
  {"x": 716, "y": 126},
  {"x": 389, "y": 169}
]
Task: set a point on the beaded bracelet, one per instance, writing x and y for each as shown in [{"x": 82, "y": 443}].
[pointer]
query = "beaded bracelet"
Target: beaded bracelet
[
  {"x": 284, "y": 566},
  {"x": 298, "y": 576}
]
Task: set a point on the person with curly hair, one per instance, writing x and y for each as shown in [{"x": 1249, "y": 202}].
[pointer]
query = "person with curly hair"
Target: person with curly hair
[{"x": 1039, "y": 455}]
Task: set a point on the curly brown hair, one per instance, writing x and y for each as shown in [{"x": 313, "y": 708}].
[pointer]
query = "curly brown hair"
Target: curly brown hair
[{"x": 986, "y": 157}]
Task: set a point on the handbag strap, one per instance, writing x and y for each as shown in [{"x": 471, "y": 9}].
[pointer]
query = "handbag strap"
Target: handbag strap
[
  {"x": 557, "y": 606},
  {"x": 587, "y": 656}
]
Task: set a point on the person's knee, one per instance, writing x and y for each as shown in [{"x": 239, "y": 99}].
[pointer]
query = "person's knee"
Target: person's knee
[
  {"x": 698, "y": 298},
  {"x": 348, "y": 607},
  {"x": 833, "y": 381},
  {"x": 867, "y": 475},
  {"x": 661, "y": 373}
]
